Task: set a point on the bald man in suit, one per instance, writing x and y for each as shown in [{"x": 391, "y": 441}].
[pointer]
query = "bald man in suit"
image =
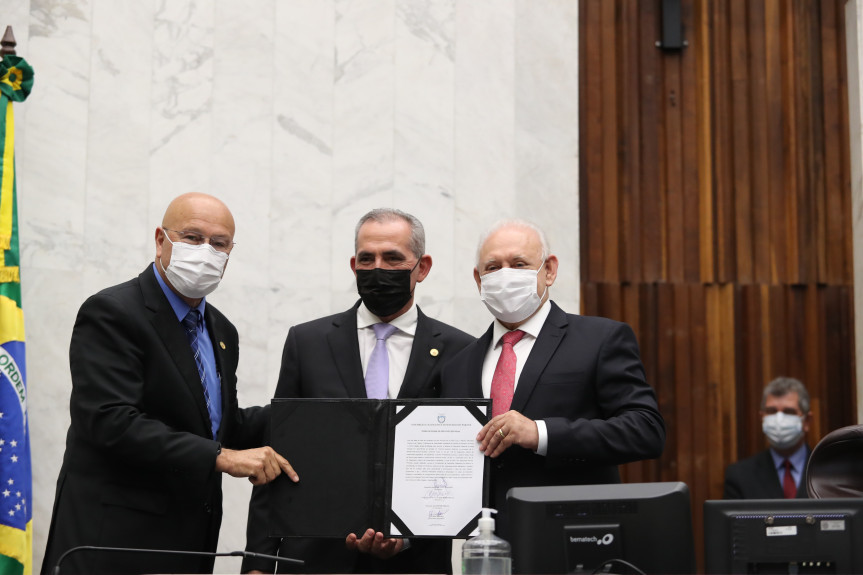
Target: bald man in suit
[
  {"x": 569, "y": 397},
  {"x": 152, "y": 430}
]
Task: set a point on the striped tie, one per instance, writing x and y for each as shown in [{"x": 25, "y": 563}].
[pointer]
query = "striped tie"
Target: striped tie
[{"x": 191, "y": 323}]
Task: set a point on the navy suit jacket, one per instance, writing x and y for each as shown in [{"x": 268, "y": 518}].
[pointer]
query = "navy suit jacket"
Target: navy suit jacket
[
  {"x": 321, "y": 359},
  {"x": 756, "y": 478},
  {"x": 139, "y": 468},
  {"x": 585, "y": 379}
]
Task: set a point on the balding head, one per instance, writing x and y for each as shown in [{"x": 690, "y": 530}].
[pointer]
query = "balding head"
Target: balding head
[
  {"x": 520, "y": 245},
  {"x": 196, "y": 208},
  {"x": 517, "y": 226},
  {"x": 193, "y": 218}
]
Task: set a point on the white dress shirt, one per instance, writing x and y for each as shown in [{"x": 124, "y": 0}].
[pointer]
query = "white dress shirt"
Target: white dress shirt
[
  {"x": 399, "y": 344},
  {"x": 531, "y": 329}
]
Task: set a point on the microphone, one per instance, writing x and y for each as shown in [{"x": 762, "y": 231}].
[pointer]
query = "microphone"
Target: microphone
[{"x": 68, "y": 552}]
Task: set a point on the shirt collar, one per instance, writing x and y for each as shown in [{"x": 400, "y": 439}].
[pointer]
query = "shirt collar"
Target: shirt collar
[
  {"x": 531, "y": 327},
  {"x": 797, "y": 459},
  {"x": 406, "y": 322},
  {"x": 181, "y": 308}
]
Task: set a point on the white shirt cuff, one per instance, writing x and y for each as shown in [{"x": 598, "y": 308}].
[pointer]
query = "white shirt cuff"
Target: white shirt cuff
[{"x": 542, "y": 446}]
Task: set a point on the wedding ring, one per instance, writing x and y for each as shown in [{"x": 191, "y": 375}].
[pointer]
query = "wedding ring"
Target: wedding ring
[{"x": 501, "y": 433}]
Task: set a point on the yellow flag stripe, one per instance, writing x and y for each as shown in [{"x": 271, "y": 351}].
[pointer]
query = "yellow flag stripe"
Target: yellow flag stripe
[
  {"x": 8, "y": 175},
  {"x": 11, "y": 321},
  {"x": 18, "y": 545}
]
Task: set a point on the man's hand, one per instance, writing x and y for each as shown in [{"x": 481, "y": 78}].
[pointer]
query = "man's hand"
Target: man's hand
[
  {"x": 261, "y": 465},
  {"x": 510, "y": 428},
  {"x": 375, "y": 544}
]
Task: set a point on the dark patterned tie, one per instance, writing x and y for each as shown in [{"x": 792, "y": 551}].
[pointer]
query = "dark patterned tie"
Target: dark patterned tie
[{"x": 191, "y": 322}]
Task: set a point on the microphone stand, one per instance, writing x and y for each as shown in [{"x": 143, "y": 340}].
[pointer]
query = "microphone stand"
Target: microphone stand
[{"x": 56, "y": 570}]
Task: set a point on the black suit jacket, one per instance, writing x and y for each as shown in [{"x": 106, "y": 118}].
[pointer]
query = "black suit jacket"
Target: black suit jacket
[
  {"x": 139, "y": 467},
  {"x": 321, "y": 359},
  {"x": 756, "y": 478},
  {"x": 585, "y": 379}
]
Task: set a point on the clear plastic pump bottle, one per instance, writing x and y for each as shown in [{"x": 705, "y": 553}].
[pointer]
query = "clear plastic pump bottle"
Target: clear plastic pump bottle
[{"x": 486, "y": 554}]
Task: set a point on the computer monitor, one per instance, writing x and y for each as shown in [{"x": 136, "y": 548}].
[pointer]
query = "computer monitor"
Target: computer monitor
[
  {"x": 796, "y": 536},
  {"x": 628, "y": 527}
]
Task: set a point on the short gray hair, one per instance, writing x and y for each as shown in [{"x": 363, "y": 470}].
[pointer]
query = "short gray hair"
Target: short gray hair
[
  {"x": 417, "y": 243},
  {"x": 517, "y": 223},
  {"x": 784, "y": 385}
]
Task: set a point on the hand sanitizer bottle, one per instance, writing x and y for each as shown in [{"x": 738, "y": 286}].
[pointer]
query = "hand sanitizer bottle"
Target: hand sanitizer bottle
[{"x": 486, "y": 554}]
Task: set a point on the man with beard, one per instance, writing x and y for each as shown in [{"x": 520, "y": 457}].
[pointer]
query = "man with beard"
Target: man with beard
[{"x": 336, "y": 357}]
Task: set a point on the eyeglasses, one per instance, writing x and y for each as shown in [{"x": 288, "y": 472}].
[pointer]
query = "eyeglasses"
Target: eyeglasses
[{"x": 219, "y": 243}]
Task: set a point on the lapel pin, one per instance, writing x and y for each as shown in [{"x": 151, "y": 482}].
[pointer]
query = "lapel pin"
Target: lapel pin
[
  {"x": 222, "y": 344},
  {"x": 433, "y": 352}
]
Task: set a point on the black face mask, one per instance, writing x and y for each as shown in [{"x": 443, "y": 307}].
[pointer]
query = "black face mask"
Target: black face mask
[{"x": 384, "y": 291}]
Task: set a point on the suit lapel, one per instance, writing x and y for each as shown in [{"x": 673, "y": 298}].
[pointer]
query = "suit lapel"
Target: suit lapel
[
  {"x": 427, "y": 348},
  {"x": 345, "y": 351},
  {"x": 769, "y": 475},
  {"x": 475, "y": 363},
  {"x": 174, "y": 337},
  {"x": 544, "y": 347}
]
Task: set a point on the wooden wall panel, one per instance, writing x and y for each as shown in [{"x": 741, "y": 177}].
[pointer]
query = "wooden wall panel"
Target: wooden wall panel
[{"x": 715, "y": 197}]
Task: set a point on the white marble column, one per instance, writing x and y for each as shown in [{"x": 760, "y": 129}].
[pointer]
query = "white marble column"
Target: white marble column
[{"x": 854, "y": 49}]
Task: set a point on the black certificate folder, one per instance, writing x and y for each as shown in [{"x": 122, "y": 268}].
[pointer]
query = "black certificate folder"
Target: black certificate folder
[{"x": 406, "y": 468}]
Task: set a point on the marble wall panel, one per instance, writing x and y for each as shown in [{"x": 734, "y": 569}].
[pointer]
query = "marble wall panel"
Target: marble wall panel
[
  {"x": 57, "y": 116},
  {"x": 484, "y": 172},
  {"x": 362, "y": 125},
  {"x": 300, "y": 243},
  {"x": 181, "y": 101},
  {"x": 854, "y": 55},
  {"x": 50, "y": 298},
  {"x": 117, "y": 138},
  {"x": 546, "y": 132},
  {"x": 302, "y": 115},
  {"x": 423, "y": 152}
]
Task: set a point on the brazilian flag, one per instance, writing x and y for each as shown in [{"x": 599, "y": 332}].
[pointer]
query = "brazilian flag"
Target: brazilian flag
[{"x": 16, "y": 485}]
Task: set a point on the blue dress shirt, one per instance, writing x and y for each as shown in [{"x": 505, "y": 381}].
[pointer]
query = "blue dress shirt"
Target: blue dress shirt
[{"x": 213, "y": 380}]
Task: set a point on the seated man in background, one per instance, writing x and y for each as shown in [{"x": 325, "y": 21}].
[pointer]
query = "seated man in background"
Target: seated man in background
[{"x": 776, "y": 472}]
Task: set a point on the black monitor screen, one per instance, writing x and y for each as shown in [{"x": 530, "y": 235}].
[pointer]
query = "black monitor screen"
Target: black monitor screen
[
  {"x": 627, "y": 527},
  {"x": 795, "y": 536}
]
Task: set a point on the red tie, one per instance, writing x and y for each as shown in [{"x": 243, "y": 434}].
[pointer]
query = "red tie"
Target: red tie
[
  {"x": 503, "y": 381},
  {"x": 788, "y": 486}
]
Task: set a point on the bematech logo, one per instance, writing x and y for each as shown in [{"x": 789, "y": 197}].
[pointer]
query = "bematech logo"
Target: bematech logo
[{"x": 606, "y": 539}]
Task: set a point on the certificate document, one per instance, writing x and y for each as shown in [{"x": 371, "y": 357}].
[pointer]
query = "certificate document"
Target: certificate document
[
  {"x": 406, "y": 468},
  {"x": 437, "y": 471}
]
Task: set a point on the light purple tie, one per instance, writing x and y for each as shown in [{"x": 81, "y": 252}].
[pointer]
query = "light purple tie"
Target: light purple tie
[{"x": 378, "y": 370}]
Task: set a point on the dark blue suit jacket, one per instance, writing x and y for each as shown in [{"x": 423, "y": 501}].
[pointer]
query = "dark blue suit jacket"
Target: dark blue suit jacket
[
  {"x": 756, "y": 478},
  {"x": 584, "y": 377}
]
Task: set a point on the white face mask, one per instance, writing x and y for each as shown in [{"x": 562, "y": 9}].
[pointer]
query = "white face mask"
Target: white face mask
[
  {"x": 510, "y": 293},
  {"x": 782, "y": 430},
  {"x": 195, "y": 270}
]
